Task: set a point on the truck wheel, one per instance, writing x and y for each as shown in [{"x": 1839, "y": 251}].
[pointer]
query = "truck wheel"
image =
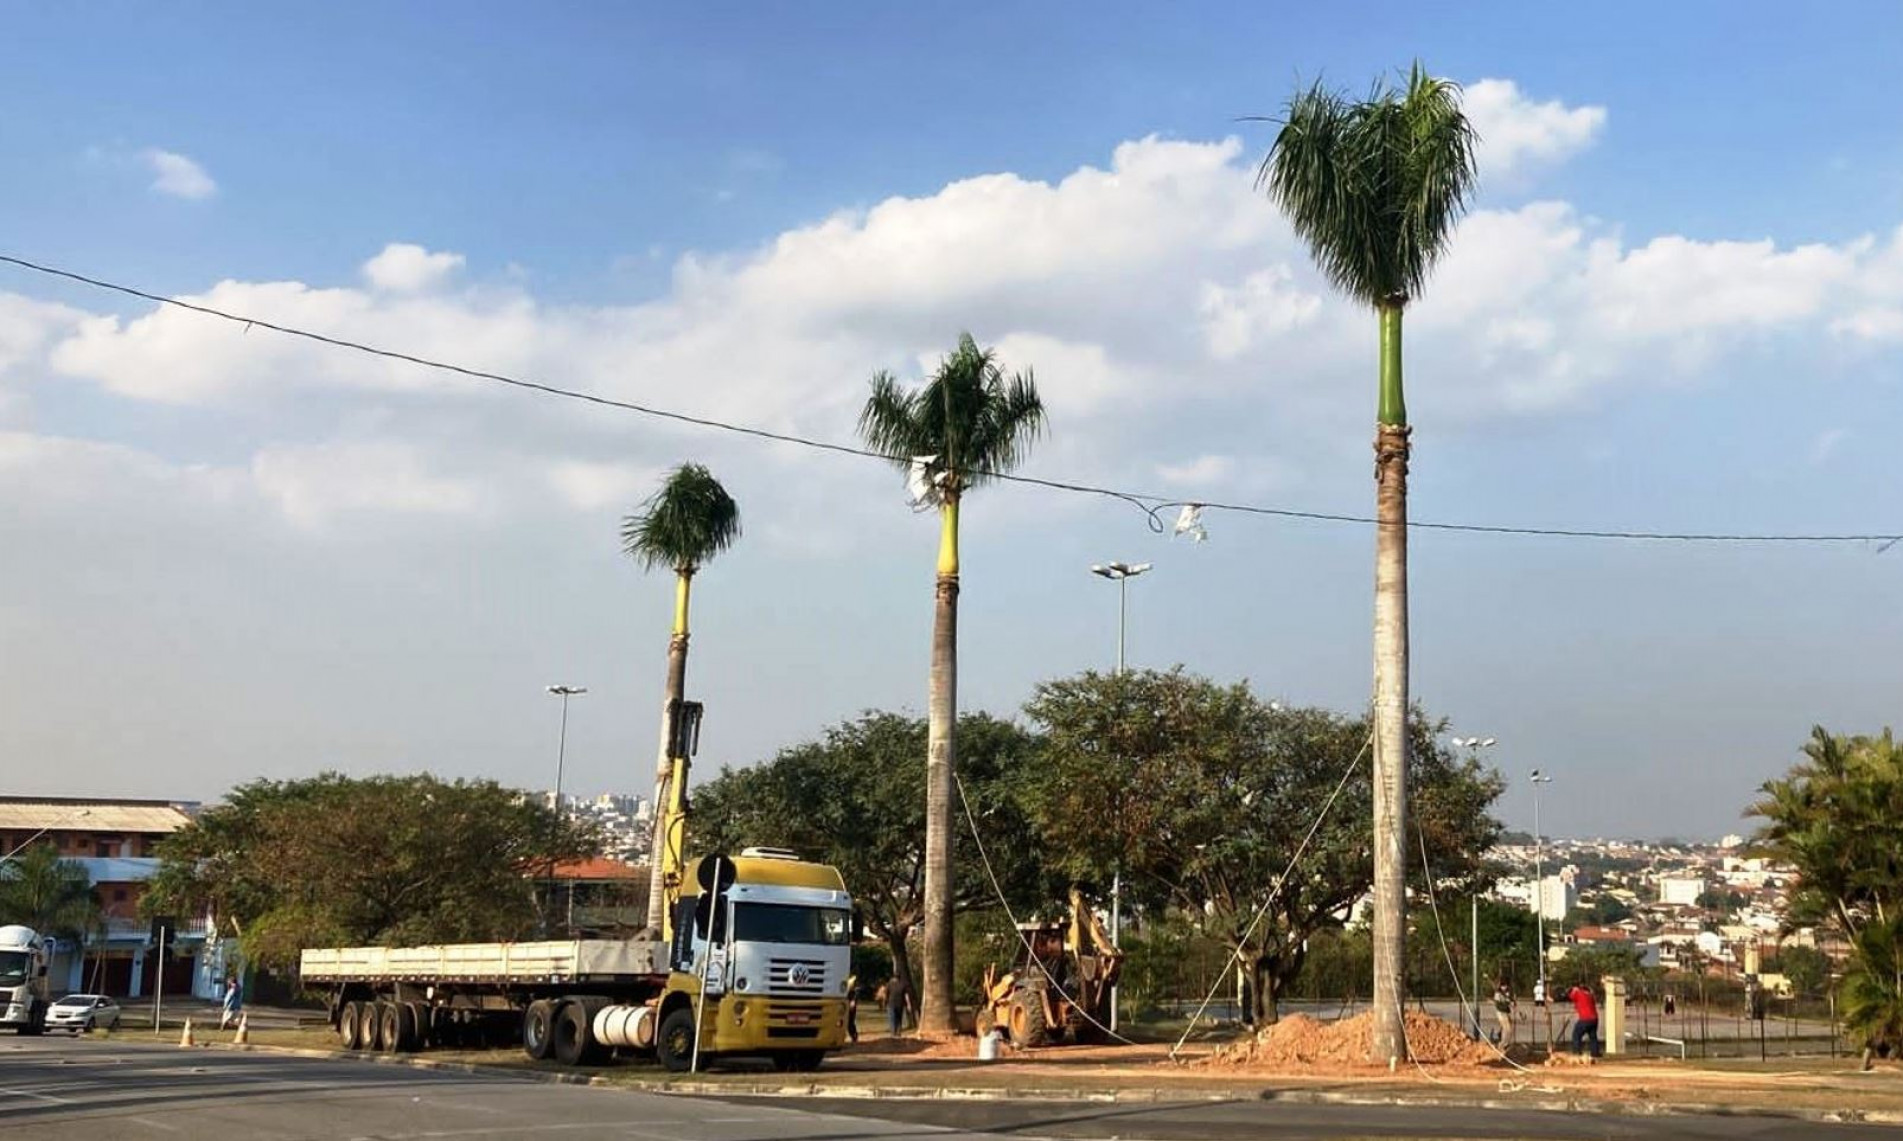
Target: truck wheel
[
  {"x": 1027, "y": 1020},
  {"x": 350, "y": 1025},
  {"x": 574, "y": 1041},
  {"x": 538, "y": 1026},
  {"x": 675, "y": 1042},
  {"x": 403, "y": 1038}
]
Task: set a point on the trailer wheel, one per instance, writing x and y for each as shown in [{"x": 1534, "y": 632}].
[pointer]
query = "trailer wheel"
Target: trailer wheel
[
  {"x": 574, "y": 1041},
  {"x": 350, "y": 1025},
  {"x": 675, "y": 1041},
  {"x": 389, "y": 1026},
  {"x": 368, "y": 1027},
  {"x": 538, "y": 1026}
]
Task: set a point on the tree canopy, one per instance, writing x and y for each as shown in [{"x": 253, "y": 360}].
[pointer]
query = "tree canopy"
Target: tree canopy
[
  {"x": 855, "y": 799},
  {"x": 1202, "y": 794},
  {"x": 335, "y": 860},
  {"x": 684, "y": 524}
]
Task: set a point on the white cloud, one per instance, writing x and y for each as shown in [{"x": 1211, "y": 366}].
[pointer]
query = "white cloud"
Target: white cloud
[
  {"x": 593, "y": 486},
  {"x": 406, "y": 268},
  {"x": 1163, "y": 305},
  {"x": 316, "y": 484},
  {"x": 1202, "y": 471},
  {"x": 178, "y": 176},
  {"x": 1264, "y": 303},
  {"x": 1827, "y": 443},
  {"x": 1518, "y": 135}
]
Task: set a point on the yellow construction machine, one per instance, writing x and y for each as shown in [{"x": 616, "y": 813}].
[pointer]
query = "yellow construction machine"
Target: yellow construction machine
[{"x": 1059, "y": 989}]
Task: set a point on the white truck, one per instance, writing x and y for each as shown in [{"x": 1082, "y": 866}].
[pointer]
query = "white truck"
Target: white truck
[
  {"x": 754, "y": 963},
  {"x": 23, "y": 994}
]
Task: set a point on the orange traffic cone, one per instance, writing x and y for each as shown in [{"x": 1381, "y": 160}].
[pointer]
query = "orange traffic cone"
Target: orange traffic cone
[
  {"x": 244, "y": 1030},
  {"x": 185, "y": 1039}
]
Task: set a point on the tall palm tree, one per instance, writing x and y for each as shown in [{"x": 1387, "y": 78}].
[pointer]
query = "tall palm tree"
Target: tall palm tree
[
  {"x": 964, "y": 426},
  {"x": 1375, "y": 186},
  {"x": 53, "y": 896},
  {"x": 686, "y": 523}
]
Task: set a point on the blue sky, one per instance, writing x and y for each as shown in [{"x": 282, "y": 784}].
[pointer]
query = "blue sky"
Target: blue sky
[{"x": 1678, "y": 306}]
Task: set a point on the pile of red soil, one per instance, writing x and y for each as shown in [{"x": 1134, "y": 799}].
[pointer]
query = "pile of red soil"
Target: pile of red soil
[{"x": 1301, "y": 1041}]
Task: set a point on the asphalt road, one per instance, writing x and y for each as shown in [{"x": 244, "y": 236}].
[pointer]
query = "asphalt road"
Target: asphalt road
[
  {"x": 1264, "y": 1120},
  {"x": 59, "y": 1088}
]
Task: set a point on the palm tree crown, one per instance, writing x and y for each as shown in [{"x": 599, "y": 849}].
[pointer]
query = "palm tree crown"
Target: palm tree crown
[
  {"x": 53, "y": 896},
  {"x": 686, "y": 523},
  {"x": 1374, "y": 186},
  {"x": 978, "y": 422}
]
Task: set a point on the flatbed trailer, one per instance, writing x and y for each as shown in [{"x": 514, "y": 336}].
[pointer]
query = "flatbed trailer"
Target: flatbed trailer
[{"x": 771, "y": 980}]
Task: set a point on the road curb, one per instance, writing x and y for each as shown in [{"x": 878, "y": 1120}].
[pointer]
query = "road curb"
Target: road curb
[{"x": 1609, "y": 1107}]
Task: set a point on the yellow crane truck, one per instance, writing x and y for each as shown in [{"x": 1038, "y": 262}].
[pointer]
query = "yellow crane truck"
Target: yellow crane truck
[{"x": 751, "y": 959}]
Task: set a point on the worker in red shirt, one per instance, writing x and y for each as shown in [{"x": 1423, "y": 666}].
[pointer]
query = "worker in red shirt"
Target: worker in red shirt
[{"x": 1585, "y": 1019}]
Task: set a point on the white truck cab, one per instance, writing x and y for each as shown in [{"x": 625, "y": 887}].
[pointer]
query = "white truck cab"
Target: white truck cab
[{"x": 23, "y": 994}]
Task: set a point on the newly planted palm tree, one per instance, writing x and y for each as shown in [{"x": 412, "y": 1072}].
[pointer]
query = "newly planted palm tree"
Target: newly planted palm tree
[
  {"x": 686, "y": 523},
  {"x": 964, "y": 426},
  {"x": 1375, "y": 186}
]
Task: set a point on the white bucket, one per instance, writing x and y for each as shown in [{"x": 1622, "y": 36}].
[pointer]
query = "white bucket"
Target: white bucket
[{"x": 988, "y": 1045}]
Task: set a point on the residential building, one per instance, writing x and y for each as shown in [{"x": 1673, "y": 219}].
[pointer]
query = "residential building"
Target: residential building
[
  {"x": 1681, "y": 890},
  {"x": 116, "y": 842}
]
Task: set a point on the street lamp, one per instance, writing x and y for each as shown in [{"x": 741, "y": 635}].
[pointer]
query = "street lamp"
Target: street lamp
[
  {"x": 1476, "y": 744},
  {"x": 1121, "y": 574},
  {"x": 561, "y": 755},
  {"x": 1539, "y": 882}
]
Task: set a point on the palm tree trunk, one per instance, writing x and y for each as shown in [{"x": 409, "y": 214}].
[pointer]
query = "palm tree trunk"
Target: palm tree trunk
[
  {"x": 1390, "y": 698},
  {"x": 935, "y": 999},
  {"x": 658, "y": 847}
]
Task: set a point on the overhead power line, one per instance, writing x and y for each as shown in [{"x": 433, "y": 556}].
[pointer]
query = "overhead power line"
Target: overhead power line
[{"x": 1153, "y": 506}]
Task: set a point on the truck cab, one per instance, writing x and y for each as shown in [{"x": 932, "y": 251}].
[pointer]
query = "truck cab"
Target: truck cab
[
  {"x": 762, "y": 946},
  {"x": 23, "y": 986}
]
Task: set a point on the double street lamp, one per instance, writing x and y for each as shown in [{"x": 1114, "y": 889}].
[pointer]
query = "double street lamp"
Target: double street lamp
[
  {"x": 1539, "y": 881},
  {"x": 1121, "y": 574}
]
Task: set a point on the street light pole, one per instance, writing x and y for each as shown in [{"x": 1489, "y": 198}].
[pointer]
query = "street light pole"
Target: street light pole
[
  {"x": 1121, "y": 573},
  {"x": 1476, "y": 744},
  {"x": 1539, "y": 883},
  {"x": 561, "y": 756}
]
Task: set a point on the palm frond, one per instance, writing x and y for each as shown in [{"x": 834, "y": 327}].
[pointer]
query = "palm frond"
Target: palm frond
[
  {"x": 1374, "y": 186},
  {"x": 683, "y": 525},
  {"x": 968, "y": 413}
]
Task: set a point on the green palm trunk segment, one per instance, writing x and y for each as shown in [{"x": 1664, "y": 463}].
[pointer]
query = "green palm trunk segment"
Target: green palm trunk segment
[{"x": 1393, "y": 409}]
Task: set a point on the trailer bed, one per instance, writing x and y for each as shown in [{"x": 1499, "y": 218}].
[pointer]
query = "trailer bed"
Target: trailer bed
[{"x": 555, "y": 961}]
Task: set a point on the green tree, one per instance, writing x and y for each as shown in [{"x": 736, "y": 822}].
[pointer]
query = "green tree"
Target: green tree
[
  {"x": 1203, "y": 795},
  {"x": 1837, "y": 816},
  {"x": 967, "y": 424},
  {"x": 53, "y": 896},
  {"x": 681, "y": 527},
  {"x": 335, "y": 860},
  {"x": 1375, "y": 187},
  {"x": 855, "y": 799},
  {"x": 1807, "y": 968}
]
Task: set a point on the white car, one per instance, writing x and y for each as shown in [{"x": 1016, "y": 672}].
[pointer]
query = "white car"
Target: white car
[{"x": 80, "y": 1013}]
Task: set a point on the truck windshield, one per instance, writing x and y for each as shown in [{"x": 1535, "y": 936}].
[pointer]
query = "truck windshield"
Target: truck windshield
[
  {"x": 786, "y": 923},
  {"x": 13, "y": 967}
]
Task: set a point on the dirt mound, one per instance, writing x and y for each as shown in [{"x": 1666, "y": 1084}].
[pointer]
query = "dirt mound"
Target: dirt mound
[{"x": 1299, "y": 1040}]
